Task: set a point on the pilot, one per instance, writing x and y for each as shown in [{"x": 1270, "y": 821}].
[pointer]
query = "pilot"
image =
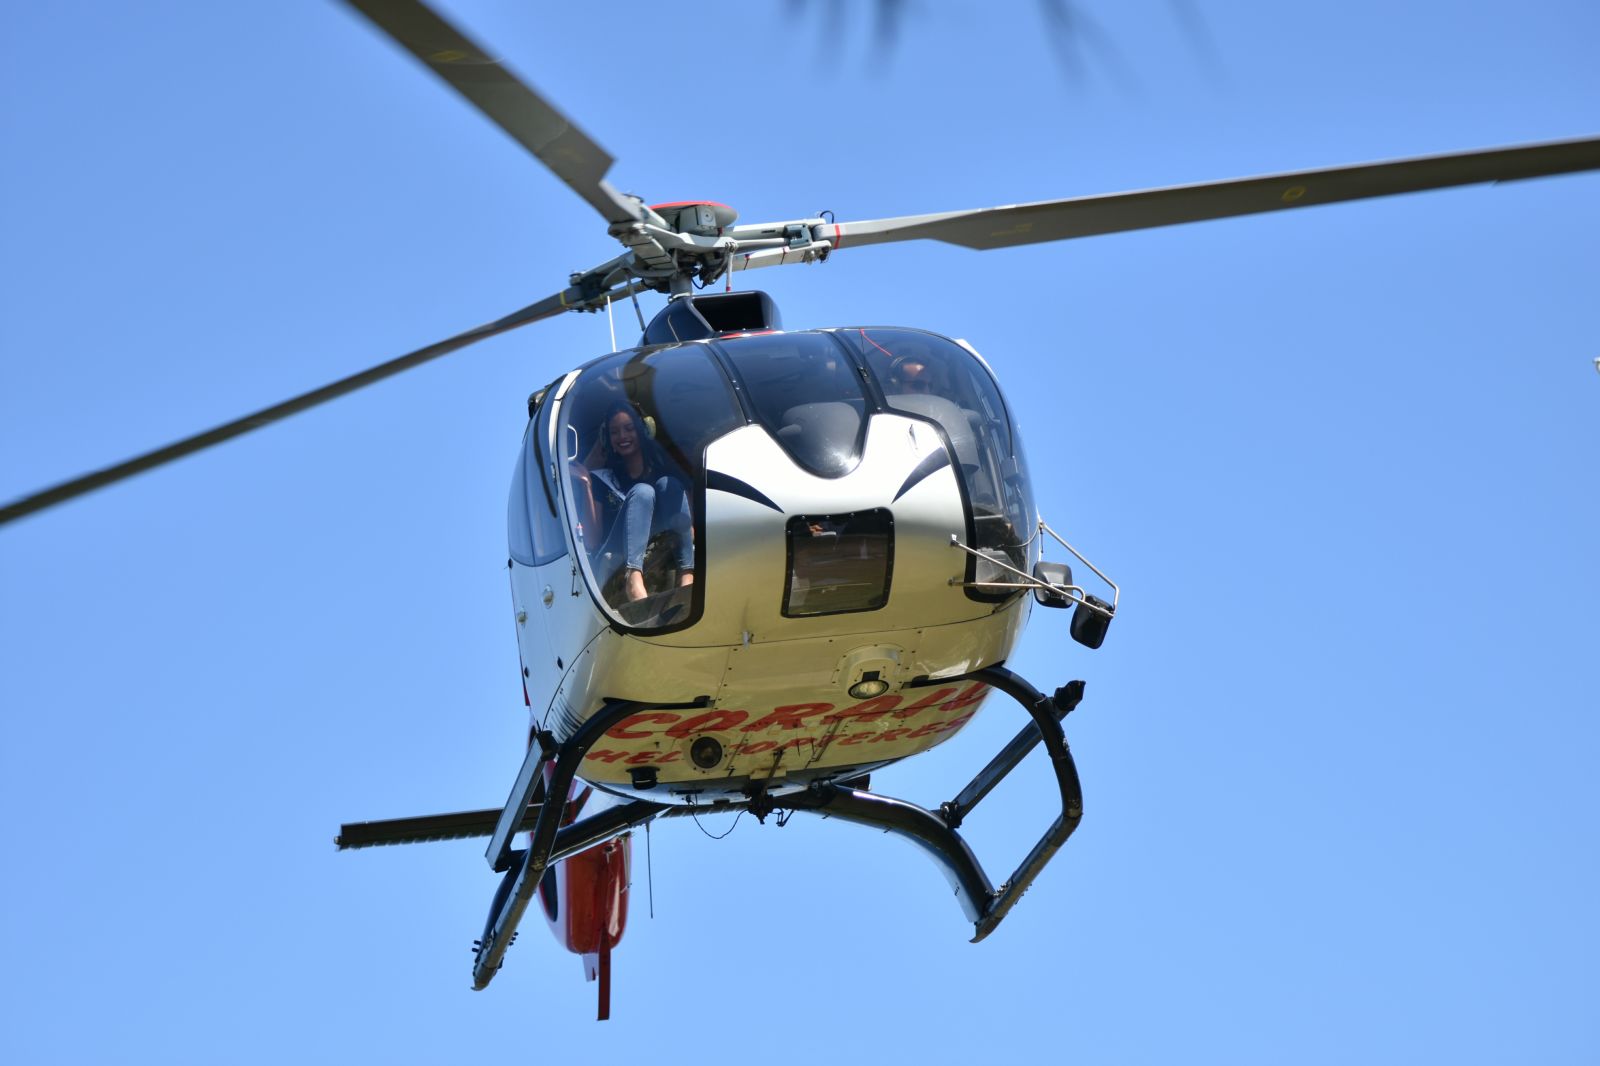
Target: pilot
[
  {"x": 652, "y": 493},
  {"x": 910, "y": 374}
]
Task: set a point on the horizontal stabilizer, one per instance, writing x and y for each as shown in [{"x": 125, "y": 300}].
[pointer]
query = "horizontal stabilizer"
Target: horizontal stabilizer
[{"x": 458, "y": 826}]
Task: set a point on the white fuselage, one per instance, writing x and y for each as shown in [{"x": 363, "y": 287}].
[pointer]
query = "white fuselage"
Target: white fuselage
[{"x": 772, "y": 687}]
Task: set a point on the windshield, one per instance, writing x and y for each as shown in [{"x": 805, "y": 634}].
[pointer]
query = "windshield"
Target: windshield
[
  {"x": 634, "y": 430},
  {"x": 807, "y": 395},
  {"x": 930, "y": 377}
]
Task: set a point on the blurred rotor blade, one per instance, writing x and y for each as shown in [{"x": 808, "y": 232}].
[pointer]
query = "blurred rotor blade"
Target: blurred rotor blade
[
  {"x": 572, "y": 299},
  {"x": 1086, "y": 216},
  {"x": 504, "y": 98}
]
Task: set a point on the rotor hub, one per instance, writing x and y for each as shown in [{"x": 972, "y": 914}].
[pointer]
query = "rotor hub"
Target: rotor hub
[{"x": 703, "y": 218}]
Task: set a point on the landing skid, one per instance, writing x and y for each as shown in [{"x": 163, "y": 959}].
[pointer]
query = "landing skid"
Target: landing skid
[{"x": 934, "y": 831}]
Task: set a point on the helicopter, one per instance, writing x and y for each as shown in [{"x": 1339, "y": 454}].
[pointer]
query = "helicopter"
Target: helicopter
[{"x": 704, "y": 237}]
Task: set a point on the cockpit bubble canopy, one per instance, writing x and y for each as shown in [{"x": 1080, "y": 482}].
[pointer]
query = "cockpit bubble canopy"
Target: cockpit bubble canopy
[{"x": 814, "y": 392}]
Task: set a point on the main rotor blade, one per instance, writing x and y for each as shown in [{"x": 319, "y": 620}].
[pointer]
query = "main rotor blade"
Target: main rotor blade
[
  {"x": 1086, "y": 216},
  {"x": 551, "y": 305},
  {"x": 528, "y": 117}
]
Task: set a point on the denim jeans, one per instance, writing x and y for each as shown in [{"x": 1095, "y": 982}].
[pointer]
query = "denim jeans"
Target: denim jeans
[{"x": 651, "y": 507}]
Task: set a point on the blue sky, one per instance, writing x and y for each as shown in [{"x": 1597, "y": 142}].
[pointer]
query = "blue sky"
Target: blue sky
[{"x": 1337, "y": 751}]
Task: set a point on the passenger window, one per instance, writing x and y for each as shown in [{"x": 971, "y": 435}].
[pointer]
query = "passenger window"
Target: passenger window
[
  {"x": 521, "y": 527},
  {"x": 535, "y": 524},
  {"x": 549, "y": 538},
  {"x": 634, "y": 433}
]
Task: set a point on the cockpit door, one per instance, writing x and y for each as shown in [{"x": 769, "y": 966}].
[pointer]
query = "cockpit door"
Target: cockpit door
[{"x": 633, "y": 430}]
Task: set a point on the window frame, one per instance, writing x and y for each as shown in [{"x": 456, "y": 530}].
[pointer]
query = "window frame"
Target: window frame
[{"x": 789, "y": 539}]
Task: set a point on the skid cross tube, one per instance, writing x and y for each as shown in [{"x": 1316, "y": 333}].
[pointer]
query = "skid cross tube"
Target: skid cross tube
[
  {"x": 516, "y": 890},
  {"x": 596, "y": 829},
  {"x": 955, "y": 811},
  {"x": 936, "y": 833},
  {"x": 1042, "y": 708}
]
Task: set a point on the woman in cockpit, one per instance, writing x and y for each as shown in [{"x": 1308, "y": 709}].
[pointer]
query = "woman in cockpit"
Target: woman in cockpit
[{"x": 650, "y": 495}]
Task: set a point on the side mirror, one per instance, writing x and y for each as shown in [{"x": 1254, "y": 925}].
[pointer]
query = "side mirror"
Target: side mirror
[
  {"x": 1052, "y": 574},
  {"x": 1089, "y": 625}
]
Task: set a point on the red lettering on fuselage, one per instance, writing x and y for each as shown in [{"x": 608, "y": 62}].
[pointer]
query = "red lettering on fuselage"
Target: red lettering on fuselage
[
  {"x": 791, "y": 717},
  {"x": 640, "y": 758},
  {"x": 822, "y": 725},
  {"x": 867, "y": 710},
  {"x": 957, "y": 722},
  {"x": 933, "y": 698},
  {"x": 621, "y": 732},
  {"x": 973, "y": 695},
  {"x": 875, "y": 708},
  {"x": 927, "y": 730},
  {"x": 710, "y": 722}
]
